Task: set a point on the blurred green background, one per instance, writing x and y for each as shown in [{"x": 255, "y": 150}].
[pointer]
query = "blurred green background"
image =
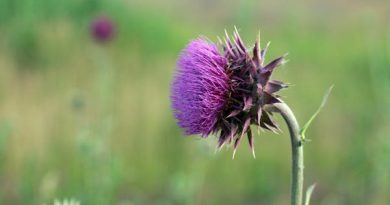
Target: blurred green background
[{"x": 93, "y": 121}]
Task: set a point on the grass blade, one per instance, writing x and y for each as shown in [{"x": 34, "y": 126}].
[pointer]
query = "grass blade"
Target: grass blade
[
  {"x": 324, "y": 99},
  {"x": 309, "y": 192}
]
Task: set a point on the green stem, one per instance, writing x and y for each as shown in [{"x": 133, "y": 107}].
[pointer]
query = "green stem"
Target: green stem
[{"x": 297, "y": 152}]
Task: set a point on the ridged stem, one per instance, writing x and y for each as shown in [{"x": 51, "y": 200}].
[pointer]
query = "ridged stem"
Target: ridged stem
[{"x": 297, "y": 151}]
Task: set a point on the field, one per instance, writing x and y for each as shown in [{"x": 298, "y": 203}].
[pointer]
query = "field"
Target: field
[{"x": 93, "y": 121}]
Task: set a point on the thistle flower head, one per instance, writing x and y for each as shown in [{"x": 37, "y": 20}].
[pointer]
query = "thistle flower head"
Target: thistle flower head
[
  {"x": 200, "y": 88},
  {"x": 102, "y": 29},
  {"x": 224, "y": 92}
]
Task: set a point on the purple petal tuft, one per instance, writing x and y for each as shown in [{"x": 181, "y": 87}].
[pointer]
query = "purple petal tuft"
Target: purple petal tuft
[{"x": 200, "y": 87}]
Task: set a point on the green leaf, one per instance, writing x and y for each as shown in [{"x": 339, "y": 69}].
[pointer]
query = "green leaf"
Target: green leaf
[
  {"x": 324, "y": 99},
  {"x": 309, "y": 191}
]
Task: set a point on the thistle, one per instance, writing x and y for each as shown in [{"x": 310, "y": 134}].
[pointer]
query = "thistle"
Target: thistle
[
  {"x": 102, "y": 29},
  {"x": 224, "y": 92}
]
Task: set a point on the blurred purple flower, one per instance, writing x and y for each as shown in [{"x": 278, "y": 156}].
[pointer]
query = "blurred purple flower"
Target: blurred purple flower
[
  {"x": 214, "y": 93},
  {"x": 102, "y": 29}
]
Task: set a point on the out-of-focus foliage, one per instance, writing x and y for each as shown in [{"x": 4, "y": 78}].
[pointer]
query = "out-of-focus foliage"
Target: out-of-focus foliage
[{"x": 93, "y": 122}]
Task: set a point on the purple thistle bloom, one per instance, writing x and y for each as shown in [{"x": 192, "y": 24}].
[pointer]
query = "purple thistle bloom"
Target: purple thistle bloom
[
  {"x": 102, "y": 29},
  {"x": 214, "y": 93},
  {"x": 200, "y": 87}
]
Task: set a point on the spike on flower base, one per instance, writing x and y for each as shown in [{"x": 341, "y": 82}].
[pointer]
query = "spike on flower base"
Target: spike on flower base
[{"x": 225, "y": 92}]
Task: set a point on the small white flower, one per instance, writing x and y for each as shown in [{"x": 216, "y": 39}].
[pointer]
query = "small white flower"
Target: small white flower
[{"x": 66, "y": 202}]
